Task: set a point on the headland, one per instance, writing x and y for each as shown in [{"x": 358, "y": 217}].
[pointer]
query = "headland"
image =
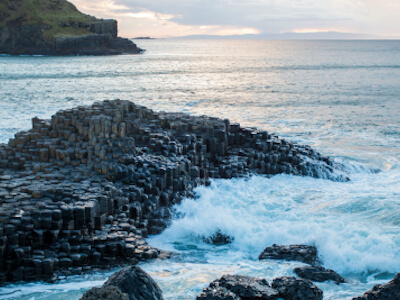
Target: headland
[{"x": 56, "y": 27}]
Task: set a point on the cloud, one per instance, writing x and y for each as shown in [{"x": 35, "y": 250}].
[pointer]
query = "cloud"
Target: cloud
[
  {"x": 138, "y": 20},
  {"x": 162, "y": 18}
]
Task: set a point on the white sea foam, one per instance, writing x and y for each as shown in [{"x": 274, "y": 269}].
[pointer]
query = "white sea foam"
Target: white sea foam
[
  {"x": 349, "y": 112},
  {"x": 350, "y": 223},
  {"x": 71, "y": 288}
]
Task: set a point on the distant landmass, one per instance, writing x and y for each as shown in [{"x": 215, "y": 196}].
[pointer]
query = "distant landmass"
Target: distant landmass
[
  {"x": 143, "y": 38},
  {"x": 288, "y": 36},
  {"x": 56, "y": 27}
]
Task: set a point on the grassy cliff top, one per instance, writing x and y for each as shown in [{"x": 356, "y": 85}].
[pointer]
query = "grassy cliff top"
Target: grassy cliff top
[{"x": 53, "y": 13}]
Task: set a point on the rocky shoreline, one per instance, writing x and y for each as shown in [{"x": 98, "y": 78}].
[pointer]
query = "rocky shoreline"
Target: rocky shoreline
[
  {"x": 84, "y": 189},
  {"x": 101, "y": 39},
  {"x": 57, "y": 28}
]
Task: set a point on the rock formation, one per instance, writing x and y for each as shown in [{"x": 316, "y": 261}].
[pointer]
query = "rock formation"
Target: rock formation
[
  {"x": 389, "y": 291},
  {"x": 296, "y": 289},
  {"x": 302, "y": 253},
  {"x": 84, "y": 189},
  {"x": 56, "y": 27},
  {"x": 105, "y": 293},
  {"x": 236, "y": 287},
  {"x": 130, "y": 283},
  {"x": 218, "y": 239},
  {"x": 318, "y": 274}
]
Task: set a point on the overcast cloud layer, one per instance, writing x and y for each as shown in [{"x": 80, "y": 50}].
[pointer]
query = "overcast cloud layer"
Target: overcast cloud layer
[{"x": 162, "y": 18}]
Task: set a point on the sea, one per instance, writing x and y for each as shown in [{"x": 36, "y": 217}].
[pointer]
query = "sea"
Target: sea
[{"x": 340, "y": 97}]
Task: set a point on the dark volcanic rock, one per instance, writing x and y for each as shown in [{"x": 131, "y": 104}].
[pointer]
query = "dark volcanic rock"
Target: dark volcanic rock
[
  {"x": 217, "y": 293},
  {"x": 296, "y": 289},
  {"x": 245, "y": 287},
  {"x": 136, "y": 283},
  {"x": 389, "y": 291},
  {"x": 248, "y": 288},
  {"x": 84, "y": 189},
  {"x": 105, "y": 293},
  {"x": 219, "y": 239},
  {"x": 318, "y": 274},
  {"x": 302, "y": 253}
]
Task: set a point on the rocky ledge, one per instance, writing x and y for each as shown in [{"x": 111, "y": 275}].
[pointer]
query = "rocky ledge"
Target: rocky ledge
[
  {"x": 84, "y": 189},
  {"x": 56, "y": 27},
  {"x": 132, "y": 283},
  {"x": 237, "y": 287}
]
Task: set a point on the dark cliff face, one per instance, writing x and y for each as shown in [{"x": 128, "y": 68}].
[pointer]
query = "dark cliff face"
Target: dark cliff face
[{"x": 55, "y": 27}]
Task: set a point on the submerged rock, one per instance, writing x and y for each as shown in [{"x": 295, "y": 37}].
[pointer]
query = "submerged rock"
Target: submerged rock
[
  {"x": 318, "y": 274},
  {"x": 130, "y": 283},
  {"x": 302, "y": 253},
  {"x": 219, "y": 239},
  {"x": 388, "y": 291},
  {"x": 296, "y": 289}
]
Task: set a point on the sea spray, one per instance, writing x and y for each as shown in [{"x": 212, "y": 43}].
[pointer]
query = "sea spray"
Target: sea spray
[
  {"x": 349, "y": 113},
  {"x": 347, "y": 222}
]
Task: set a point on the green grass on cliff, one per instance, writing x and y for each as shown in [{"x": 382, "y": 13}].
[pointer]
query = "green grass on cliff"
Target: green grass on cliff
[{"x": 49, "y": 12}]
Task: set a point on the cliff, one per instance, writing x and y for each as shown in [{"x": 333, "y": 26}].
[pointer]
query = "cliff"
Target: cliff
[{"x": 56, "y": 27}]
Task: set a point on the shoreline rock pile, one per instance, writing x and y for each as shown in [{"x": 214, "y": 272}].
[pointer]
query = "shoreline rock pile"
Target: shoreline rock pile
[
  {"x": 236, "y": 287},
  {"x": 84, "y": 189},
  {"x": 305, "y": 254}
]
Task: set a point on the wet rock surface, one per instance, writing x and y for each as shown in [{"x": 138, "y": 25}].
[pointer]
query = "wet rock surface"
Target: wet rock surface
[
  {"x": 218, "y": 239},
  {"x": 136, "y": 283},
  {"x": 318, "y": 274},
  {"x": 84, "y": 189},
  {"x": 130, "y": 283},
  {"x": 302, "y": 253},
  {"x": 243, "y": 287},
  {"x": 217, "y": 293},
  {"x": 296, "y": 289},
  {"x": 105, "y": 293},
  {"x": 249, "y": 288},
  {"x": 389, "y": 291}
]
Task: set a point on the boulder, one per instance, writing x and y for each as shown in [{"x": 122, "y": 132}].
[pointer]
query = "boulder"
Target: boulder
[
  {"x": 105, "y": 293},
  {"x": 296, "y": 289},
  {"x": 217, "y": 293},
  {"x": 318, "y": 274},
  {"x": 133, "y": 282},
  {"x": 218, "y": 239},
  {"x": 244, "y": 287},
  {"x": 302, "y": 253},
  {"x": 389, "y": 291}
]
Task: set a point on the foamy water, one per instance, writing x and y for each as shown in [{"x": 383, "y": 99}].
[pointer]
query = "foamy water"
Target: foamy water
[{"x": 341, "y": 97}]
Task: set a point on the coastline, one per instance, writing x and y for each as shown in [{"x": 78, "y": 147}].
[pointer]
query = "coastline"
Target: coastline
[
  {"x": 84, "y": 189},
  {"x": 345, "y": 202}
]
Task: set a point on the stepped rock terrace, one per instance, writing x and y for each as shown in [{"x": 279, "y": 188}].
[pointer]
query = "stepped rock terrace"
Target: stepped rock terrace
[{"x": 84, "y": 189}]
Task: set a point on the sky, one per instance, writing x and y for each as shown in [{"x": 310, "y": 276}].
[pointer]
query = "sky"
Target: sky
[{"x": 171, "y": 18}]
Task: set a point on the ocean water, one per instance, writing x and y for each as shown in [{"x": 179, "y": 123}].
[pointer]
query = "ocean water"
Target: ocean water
[{"x": 341, "y": 97}]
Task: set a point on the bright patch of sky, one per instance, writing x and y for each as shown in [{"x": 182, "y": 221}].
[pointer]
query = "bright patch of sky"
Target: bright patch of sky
[{"x": 162, "y": 18}]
